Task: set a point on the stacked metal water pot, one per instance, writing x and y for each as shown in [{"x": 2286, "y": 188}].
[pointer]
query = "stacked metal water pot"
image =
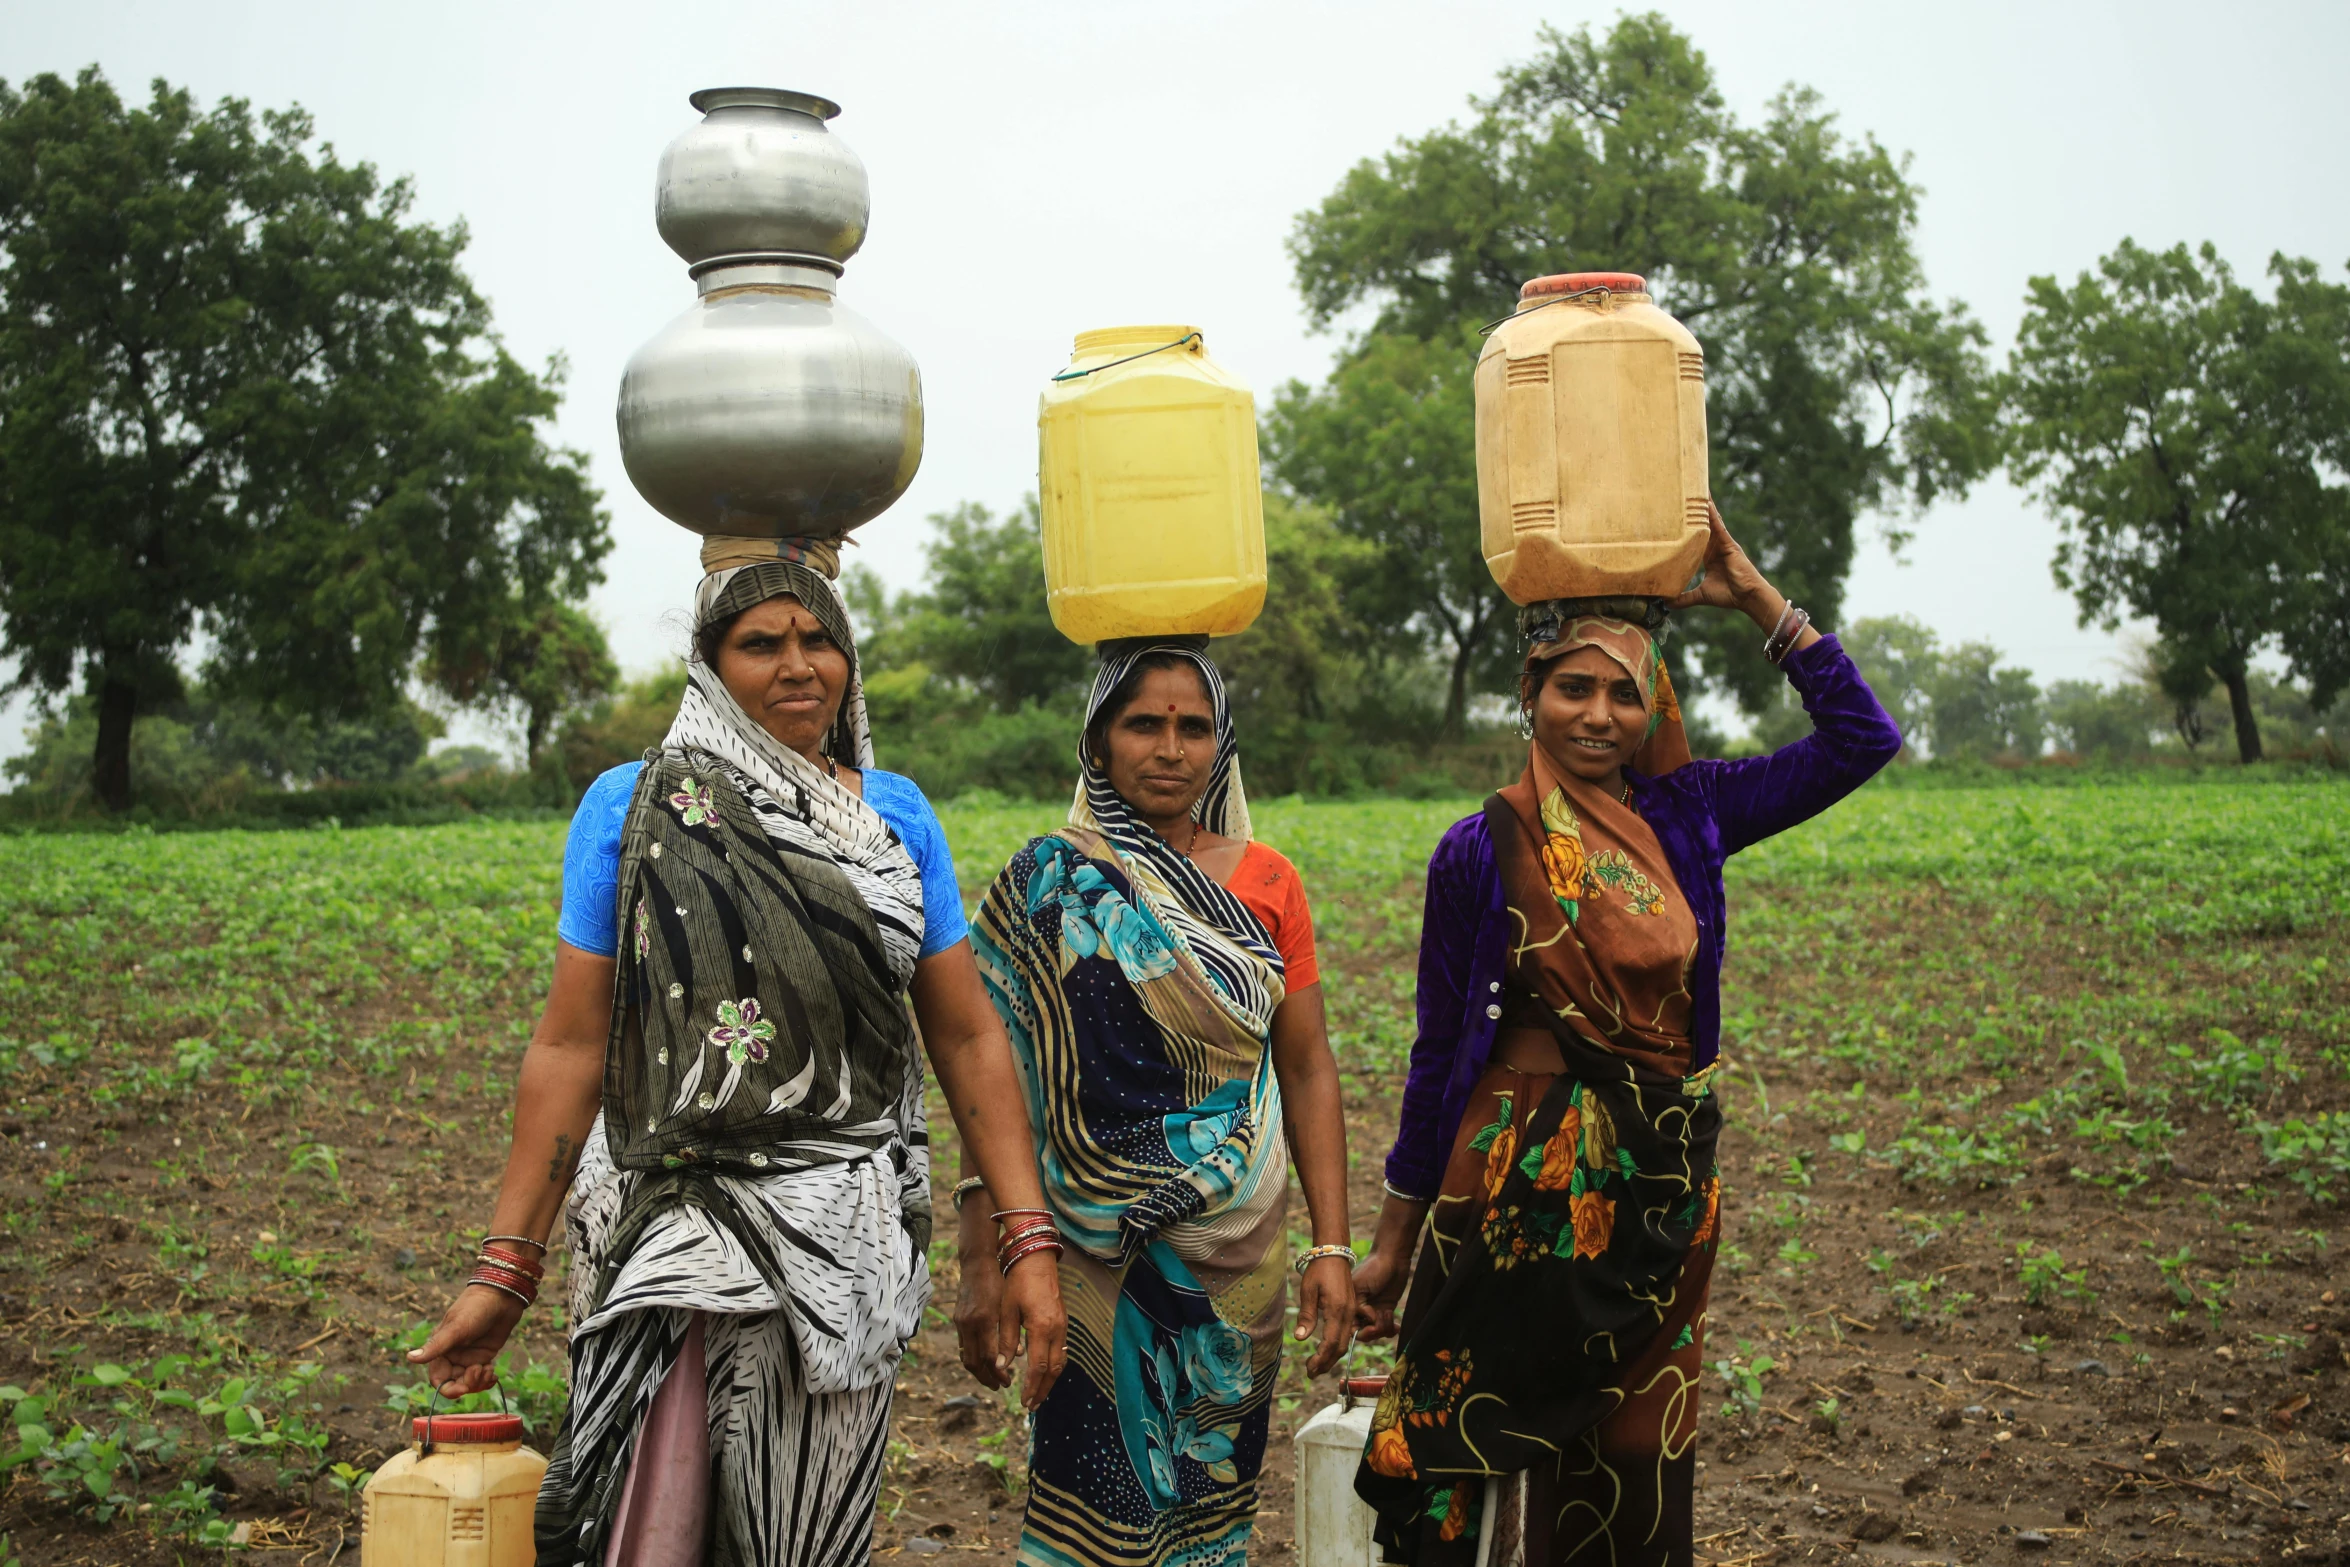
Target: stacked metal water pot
[{"x": 769, "y": 408}]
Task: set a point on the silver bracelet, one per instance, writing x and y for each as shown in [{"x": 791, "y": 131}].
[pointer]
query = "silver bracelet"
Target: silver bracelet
[
  {"x": 1307, "y": 1259},
  {"x": 1782, "y": 639},
  {"x": 1389, "y": 1187}
]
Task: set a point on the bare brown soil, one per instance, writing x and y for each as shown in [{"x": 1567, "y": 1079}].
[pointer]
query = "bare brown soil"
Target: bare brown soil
[{"x": 2117, "y": 1428}]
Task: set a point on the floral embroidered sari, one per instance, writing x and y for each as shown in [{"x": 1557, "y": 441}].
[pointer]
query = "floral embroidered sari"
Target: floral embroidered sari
[{"x": 1585, "y": 1201}]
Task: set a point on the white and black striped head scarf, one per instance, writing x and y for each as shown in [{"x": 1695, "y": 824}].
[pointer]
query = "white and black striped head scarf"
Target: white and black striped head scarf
[
  {"x": 711, "y": 721},
  {"x": 1222, "y": 808}
]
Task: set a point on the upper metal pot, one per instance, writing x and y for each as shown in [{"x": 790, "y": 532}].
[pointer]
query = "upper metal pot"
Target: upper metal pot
[
  {"x": 761, "y": 173},
  {"x": 769, "y": 408}
]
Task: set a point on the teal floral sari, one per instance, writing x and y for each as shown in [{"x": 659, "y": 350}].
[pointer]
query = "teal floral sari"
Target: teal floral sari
[{"x": 1139, "y": 999}]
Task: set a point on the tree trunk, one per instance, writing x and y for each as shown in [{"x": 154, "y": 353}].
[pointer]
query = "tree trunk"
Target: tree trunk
[
  {"x": 2240, "y": 708},
  {"x": 118, "y": 704},
  {"x": 1456, "y": 698}
]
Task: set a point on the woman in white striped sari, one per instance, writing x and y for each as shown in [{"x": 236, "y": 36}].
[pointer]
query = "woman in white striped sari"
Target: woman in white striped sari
[{"x": 726, "y": 1082}]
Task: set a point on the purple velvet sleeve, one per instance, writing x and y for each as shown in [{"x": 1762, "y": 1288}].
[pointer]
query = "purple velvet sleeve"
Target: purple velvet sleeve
[
  {"x": 1449, "y": 927},
  {"x": 1852, "y": 738}
]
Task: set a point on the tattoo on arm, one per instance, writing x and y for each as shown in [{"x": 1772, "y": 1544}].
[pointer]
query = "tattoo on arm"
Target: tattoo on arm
[{"x": 559, "y": 1167}]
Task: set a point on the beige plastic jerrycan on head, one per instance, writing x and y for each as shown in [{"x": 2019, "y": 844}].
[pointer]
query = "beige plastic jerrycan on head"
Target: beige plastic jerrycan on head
[
  {"x": 1591, "y": 443},
  {"x": 1152, "y": 509},
  {"x": 463, "y": 1496}
]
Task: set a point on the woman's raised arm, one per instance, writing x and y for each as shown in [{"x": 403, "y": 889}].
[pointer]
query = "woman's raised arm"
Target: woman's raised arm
[{"x": 1852, "y": 735}]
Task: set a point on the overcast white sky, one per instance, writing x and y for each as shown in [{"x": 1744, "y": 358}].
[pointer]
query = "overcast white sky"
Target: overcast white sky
[{"x": 1042, "y": 168}]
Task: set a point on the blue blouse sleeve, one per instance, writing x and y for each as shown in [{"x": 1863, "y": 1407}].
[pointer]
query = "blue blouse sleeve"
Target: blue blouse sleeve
[
  {"x": 591, "y": 864},
  {"x": 902, "y": 804}
]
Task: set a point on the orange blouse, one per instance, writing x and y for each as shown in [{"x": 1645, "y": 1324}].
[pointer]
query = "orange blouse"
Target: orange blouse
[{"x": 1270, "y": 886}]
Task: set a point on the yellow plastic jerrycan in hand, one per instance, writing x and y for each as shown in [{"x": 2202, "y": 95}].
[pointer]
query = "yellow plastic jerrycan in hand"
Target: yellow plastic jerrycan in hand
[
  {"x": 463, "y": 1496},
  {"x": 1152, "y": 509}
]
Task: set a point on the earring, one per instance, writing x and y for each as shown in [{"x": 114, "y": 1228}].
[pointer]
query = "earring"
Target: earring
[{"x": 1525, "y": 720}]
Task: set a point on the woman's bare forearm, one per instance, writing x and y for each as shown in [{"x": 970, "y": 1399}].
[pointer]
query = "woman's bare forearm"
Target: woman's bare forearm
[
  {"x": 556, "y": 1097},
  {"x": 991, "y": 1118},
  {"x": 1313, "y": 1111},
  {"x": 977, "y": 1077},
  {"x": 1398, "y": 1224}
]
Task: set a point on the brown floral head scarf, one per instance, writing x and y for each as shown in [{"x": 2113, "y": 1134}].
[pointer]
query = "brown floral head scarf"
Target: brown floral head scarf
[{"x": 1563, "y": 625}]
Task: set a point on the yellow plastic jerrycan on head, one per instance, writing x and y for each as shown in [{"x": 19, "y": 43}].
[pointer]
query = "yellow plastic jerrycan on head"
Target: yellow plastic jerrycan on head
[
  {"x": 463, "y": 1496},
  {"x": 1591, "y": 443},
  {"x": 1152, "y": 509}
]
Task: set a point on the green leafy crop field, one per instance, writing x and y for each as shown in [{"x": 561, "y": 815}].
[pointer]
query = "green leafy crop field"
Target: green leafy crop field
[{"x": 2040, "y": 1107}]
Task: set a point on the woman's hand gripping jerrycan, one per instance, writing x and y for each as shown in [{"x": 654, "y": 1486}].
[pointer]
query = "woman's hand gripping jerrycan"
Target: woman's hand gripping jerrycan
[
  {"x": 463, "y": 1496},
  {"x": 1333, "y": 1524}
]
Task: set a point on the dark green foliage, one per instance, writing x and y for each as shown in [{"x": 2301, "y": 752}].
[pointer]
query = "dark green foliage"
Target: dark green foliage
[
  {"x": 2189, "y": 436},
  {"x": 1835, "y": 385},
  {"x": 620, "y": 728},
  {"x": 1981, "y": 709},
  {"x": 982, "y": 620},
  {"x": 205, "y": 753},
  {"x": 240, "y": 392},
  {"x": 2103, "y": 723},
  {"x": 1388, "y": 446},
  {"x": 541, "y": 663}
]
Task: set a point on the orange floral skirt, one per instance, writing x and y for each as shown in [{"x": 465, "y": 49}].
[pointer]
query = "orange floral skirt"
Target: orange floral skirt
[{"x": 1620, "y": 1494}]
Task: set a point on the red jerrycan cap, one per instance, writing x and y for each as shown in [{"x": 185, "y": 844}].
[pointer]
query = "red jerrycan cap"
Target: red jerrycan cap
[
  {"x": 443, "y": 1430},
  {"x": 1364, "y": 1387},
  {"x": 1577, "y": 282}
]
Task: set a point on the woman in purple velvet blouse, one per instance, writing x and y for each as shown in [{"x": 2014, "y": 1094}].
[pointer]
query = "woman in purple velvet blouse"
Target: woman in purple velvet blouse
[{"x": 1554, "y": 1164}]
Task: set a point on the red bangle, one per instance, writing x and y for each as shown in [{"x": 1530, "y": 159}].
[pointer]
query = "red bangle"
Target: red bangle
[
  {"x": 492, "y": 1271},
  {"x": 507, "y": 1259},
  {"x": 1025, "y": 1225},
  {"x": 511, "y": 1280},
  {"x": 1007, "y": 1260}
]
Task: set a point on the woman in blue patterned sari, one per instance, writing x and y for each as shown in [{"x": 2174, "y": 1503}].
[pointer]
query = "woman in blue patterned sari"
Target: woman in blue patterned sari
[{"x": 1155, "y": 970}]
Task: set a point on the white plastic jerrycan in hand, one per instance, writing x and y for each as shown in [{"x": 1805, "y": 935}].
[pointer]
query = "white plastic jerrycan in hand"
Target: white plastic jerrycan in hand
[{"x": 1334, "y": 1524}]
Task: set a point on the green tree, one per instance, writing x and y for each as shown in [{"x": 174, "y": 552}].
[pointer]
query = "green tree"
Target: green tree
[
  {"x": 1387, "y": 446},
  {"x": 1300, "y": 661},
  {"x": 1835, "y": 385},
  {"x": 538, "y": 662},
  {"x": 2110, "y": 723},
  {"x": 2189, "y": 436},
  {"x": 1899, "y": 656},
  {"x": 1979, "y": 709},
  {"x": 621, "y": 727},
  {"x": 981, "y": 622},
  {"x": 204, "y": 752},
  {"x": 240, "y": 393}
]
